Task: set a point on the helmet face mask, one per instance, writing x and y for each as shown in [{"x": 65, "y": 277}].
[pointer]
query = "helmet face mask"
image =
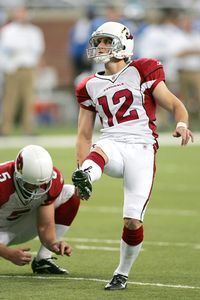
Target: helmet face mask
[
  {"x": 121, "y": 43},
  {"x": 112, "y": 50},
  {"x": 31, "y": 191},
  {"x": 33, "y": 173}
]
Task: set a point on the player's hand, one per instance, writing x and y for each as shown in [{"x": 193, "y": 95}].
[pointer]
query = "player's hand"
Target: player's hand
[
  {"x": 20, "y": 257},
  {"x": 61, "y": 248},
  {"x": 185, "y": 135}
]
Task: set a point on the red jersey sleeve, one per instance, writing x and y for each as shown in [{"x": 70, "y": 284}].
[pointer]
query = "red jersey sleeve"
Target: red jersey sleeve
[
  {"x": 56, "y": 187},
  {"x": 151, "y": 70},
  {"x": 83, "y": 96},
  {"x": 6, "y": 181}
]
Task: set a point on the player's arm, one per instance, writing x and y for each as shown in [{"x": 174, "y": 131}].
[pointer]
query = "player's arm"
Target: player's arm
[
  {"x": 46, "y": 231},
  {"x": 86, "y": 122},
  {"x": 170, "y": 102},
  {"x": 19, "y": 256}
]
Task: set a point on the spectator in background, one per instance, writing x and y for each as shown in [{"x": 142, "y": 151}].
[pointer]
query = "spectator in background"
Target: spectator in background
[
  {"x": 46, "y": 104},
  {"x": 78, "y": 41},
  {"x": 46, "y": 81},
  {"x": 147, "y": 19},
  {"x": 113, "y": 13},
  {"x": 163, "y": 40},
  {"x": 3, "y": 20},
  {"x": 22, "y": 45},
  {"x": 189, "y": 66}
]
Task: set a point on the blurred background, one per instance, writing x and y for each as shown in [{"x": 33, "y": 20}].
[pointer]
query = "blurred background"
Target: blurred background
[{"x": 169, "y": 32}]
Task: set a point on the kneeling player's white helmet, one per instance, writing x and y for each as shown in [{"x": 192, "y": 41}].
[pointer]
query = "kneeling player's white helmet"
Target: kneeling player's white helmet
[
  {"x": 33, "y": 172},
  {"x": 122, "y": 42}
]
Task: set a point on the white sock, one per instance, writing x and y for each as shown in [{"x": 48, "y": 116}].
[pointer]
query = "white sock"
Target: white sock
[
  {"x": 94, "y": 169},
  {"x": 45, "y": 253},
  {"x": 128, "y": 255}
]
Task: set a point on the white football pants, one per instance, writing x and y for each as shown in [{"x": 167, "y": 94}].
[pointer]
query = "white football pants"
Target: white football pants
[{"x": 135, "y": 163}]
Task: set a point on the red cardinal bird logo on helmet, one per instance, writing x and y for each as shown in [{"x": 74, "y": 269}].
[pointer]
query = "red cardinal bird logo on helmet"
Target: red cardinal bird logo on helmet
[{"x": 19, "y": 163}]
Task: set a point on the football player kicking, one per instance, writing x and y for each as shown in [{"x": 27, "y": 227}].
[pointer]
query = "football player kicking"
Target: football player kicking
[
  {"x": 35, "y": 201},
  {"x": 124, "y": 96}
]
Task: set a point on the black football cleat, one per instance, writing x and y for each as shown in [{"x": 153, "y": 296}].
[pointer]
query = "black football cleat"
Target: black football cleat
[
  {"x": 81, "y": 180},
  {"x": 118, "y": 282},
  {"x": 47, "y": 266}
]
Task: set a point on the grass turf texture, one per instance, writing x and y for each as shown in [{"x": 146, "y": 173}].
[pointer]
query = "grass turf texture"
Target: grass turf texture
[{"x": 167, "y": 268}]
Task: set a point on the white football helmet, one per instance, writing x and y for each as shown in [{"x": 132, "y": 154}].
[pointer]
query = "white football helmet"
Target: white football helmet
[
  {"x": 122, "y": 43},
  {"x": 33, "y": 173}
]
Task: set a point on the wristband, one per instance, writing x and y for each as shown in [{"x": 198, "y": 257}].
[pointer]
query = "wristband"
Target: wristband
[{"x": 181, "y": 124}]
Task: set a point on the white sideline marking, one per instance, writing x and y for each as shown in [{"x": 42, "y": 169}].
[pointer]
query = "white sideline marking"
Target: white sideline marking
[
  {"x": 108, "y": 241},
  {"x": 151, "y": 211},
  {"x": 159, "y": 244},
  {"x": 85, "y": 247},
  {"x": 69, "y": 141},
  {"x": 179, "y": 286},
  {"x": 105, "y": 241}
]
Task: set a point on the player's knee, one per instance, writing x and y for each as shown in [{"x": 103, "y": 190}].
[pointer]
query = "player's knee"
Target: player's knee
[{"x": 132, "y": 224}]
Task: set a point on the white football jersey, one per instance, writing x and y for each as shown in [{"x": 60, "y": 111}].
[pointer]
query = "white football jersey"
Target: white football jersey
[
  {"x": 124, "y": 101},
  {"x": 11, "y": 206}
]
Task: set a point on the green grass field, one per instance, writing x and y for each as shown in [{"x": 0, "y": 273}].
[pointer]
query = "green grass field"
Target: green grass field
[{"x": 167, "y": 268}]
